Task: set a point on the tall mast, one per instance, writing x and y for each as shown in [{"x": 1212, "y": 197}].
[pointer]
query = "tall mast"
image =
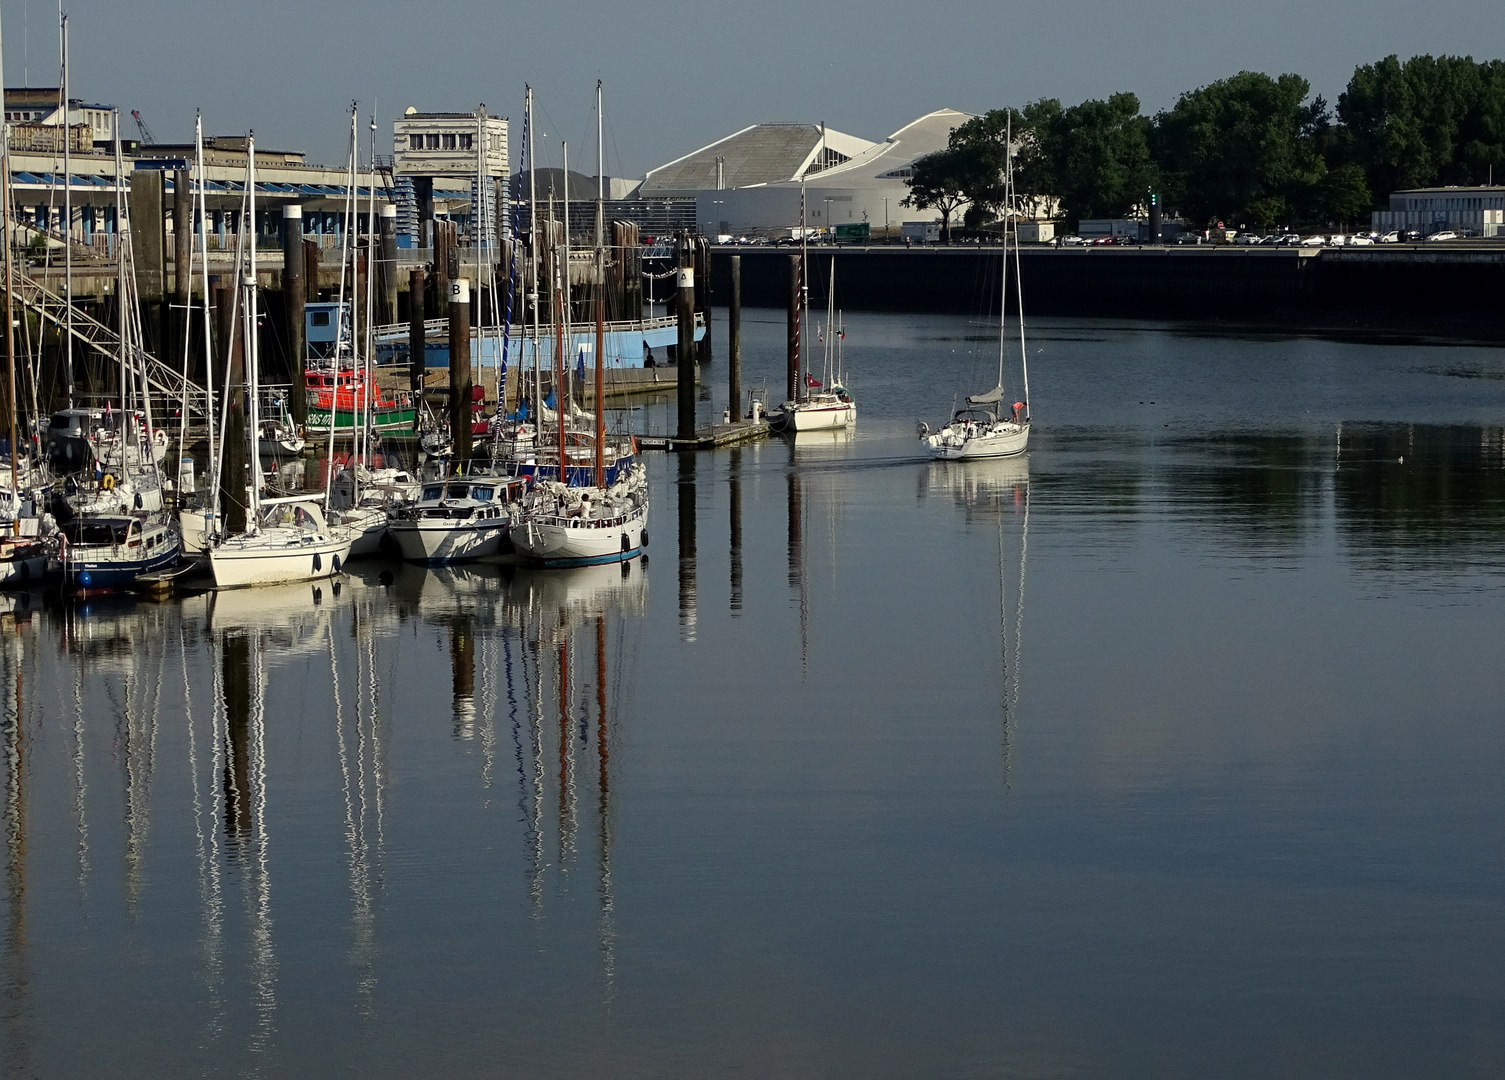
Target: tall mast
[
  {"x": 1003, "y": 274},
  {"x": 1018, "y": 273},
  {"x": 569, "y": 335},
  {"x": 339, "y": 337},
  {"x": 10, "y": 320},
  {"x": 533, "y": 253},
  {"x": 600, "y": 296},
  {"x": 203, "y": 216},
  {"x": 68, "y": 211},
  {"x": 253, "y": 352},
  {"x": 368, "y": 379},
  {"x": 559, "y": 360},
  {"x": 801, "y": 387},
  {"x": 122, "y": 298}
]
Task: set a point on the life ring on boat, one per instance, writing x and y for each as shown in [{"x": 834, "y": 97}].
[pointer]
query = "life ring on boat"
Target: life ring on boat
[{"x": 108, "y": 483}]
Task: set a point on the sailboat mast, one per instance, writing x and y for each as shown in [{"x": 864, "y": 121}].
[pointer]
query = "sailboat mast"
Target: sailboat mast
[
  {"x": 1018, "y": 274},
  {"x": 569, "y": 334},
  {"x": 68, "y": 211},
  {"x": 121, "y": 295},
  {"x": 801, "y": 306},
  {"x": 253, "y": 352},
  {"x": 203, "y": 216},
  {"x": 10, "y": 319},
  {"x": 533, "y": 267},
  {"x": 368, "y": 380},
  {"x": 600, "y": 296}
]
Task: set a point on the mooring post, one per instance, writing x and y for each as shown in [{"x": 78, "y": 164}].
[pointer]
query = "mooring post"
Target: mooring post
[
  {"x": 685, "y": 348},
  {"x": 416, "y": 342},
  {"x": 182, "y": 257},
  {"x": 295, "y": 302},
  {"x": 734, "y": 342},
  {"x": 232, "y": 481},
  {"x": 388, "y": 277},
  {"x": 793, "y": 347},
  {"x": 459, "y": 367}
]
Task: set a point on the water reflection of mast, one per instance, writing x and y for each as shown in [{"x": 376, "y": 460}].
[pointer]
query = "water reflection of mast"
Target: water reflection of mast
[
  {"x": 734, "y": 493},
  {"x": 245, "y": 813},
  {"x": 686, "y": 493},
  {"x": 462, "y": 662},
  {"x": 211, "y": 897},
  {"x": 353, "y": 789},
  {"x": 797, "y": 579},
  {"x": 140, "y": 760},
  {"x": 566, "y": 755},
  {"x": 18, "y": 978},
  {"x": 603, "y": 752},
  {"x": 1011, "y": 671}
]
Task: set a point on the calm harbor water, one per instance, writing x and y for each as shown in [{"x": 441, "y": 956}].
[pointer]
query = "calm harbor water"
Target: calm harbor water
[{"x": 1173, "y": 750}]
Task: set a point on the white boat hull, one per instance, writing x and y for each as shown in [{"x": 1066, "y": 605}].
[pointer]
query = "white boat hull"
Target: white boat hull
[
  {"x": 579, "y": 542},
  {"x": 364, "y": 527},
  {"x": 814, "y": 417},
  {"x": 434, "y": 541},
  {"x": 268, "y": 560},
  {"x": 1004, "y": 439}
]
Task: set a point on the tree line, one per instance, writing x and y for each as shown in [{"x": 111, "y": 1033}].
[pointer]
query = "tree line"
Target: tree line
[{"x": 1255, "y": 151}]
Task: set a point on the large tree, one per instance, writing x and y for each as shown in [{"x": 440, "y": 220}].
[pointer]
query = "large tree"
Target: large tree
[
  {"x": 1425, "y": 121},
  {"x": 939, "y": 182},
  {"x": 1098, "y": 154},
  {"x": 1243, "y": 149}
]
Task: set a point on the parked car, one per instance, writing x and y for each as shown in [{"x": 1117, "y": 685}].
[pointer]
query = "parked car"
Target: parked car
[
  {"x": 1361, "y": 241},
  {"x": 1190, "y": 238},
  {"x": 1445, "y": 234},
  {"x": 1314, "y": 241},
  {"x": 1246, "y": 238},
  {"x": 1291, "y": 239},
  {"x": 1391, "y": 237},
  {"x": 1411, "y": 236},
  {"x": 1337, "y": 240},
  {"x": 1072, "y": 241}
]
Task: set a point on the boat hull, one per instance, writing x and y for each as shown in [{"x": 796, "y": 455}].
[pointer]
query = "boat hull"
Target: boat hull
[
  {"x": 239, "y": 562},
  {"x": 558, "y": 543},
  {"x": 991, "y": 445},
  {"x": 84, "y": 572},
  {"x": 436, "y": 542},
  {"x": 349, "y": 420},
  {"x": 814, "y": 417},
  {"x": 19, "y": 571}
]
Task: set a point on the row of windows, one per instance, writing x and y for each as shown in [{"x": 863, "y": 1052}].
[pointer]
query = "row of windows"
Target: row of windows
[
  {"x": 1456, "y": 204},
  {"x": 465, "y": 140}
]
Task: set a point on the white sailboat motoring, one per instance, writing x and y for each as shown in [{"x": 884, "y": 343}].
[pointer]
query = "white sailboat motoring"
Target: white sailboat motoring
[
  {"x": 816, "y": 405},
  {"x": 286, "y": 539},
  {"x": 982, "y": 429}
]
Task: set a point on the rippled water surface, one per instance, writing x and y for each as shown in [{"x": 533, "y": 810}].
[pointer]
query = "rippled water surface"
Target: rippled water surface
[{"x": 1173, "y": 750}]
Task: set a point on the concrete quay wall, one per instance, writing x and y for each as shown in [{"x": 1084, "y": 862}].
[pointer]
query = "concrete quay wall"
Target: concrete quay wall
[{"x": 1464, "y": 284}]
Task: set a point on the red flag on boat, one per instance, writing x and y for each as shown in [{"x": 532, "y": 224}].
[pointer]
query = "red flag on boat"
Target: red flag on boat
[{"x": 811, "y": 380}]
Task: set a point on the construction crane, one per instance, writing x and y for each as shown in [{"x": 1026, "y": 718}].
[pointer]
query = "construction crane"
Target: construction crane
[{"x": 146, "y": 133}]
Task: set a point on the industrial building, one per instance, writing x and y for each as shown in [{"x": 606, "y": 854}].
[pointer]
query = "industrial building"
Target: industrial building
[
  {"x": 465, "y": 148},
  {"x": 751, "y": 183},
  {"x": 1468, "y": 211}
]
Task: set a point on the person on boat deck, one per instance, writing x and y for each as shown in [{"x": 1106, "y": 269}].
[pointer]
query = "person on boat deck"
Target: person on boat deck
[{"x": 302, "y": 518}]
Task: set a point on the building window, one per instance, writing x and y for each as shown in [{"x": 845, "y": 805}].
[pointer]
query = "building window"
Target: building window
[
  {"x": 449, "y": 141},
  {"x": 433, "y": 143},
  {"x": 467, "y": 141}
]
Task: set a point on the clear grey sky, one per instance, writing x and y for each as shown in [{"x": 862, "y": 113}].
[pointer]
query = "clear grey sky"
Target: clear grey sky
[{"x": 680, "y": 74}]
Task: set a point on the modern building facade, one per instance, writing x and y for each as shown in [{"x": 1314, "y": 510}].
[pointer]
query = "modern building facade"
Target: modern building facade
[{"x": 1469, "y": 211}]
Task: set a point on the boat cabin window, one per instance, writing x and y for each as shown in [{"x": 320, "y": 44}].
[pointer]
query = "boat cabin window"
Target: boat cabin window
[
  {"x": 433, "y": 491},
  {"x": 482, "y": 494},
  {"x": 97, "y": 533},
  {"x": 319, "y": 318}
]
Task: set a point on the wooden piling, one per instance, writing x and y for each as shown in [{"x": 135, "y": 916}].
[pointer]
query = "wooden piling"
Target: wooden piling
[
  {"x": 416, "y": 336},
  {"x": 295, "y": 301},
  {"x": 685, "y": 348},
  {"x": 460, "y": 382},
  {"x": 734, "y": 342},
  {"x": 388, "y": 278},
  {"x": 232, "y": 481},
  {"x": 793, "y": 346}
]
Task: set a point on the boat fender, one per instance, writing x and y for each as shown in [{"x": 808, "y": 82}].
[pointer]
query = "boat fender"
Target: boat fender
[
  {"x": 318, "y": 562},
  {"x": 336, "y": 565},
  {"x": 643, "y": 538},
  {"x": 138, "y": 503},
  {"x": 626, "y": 544}
]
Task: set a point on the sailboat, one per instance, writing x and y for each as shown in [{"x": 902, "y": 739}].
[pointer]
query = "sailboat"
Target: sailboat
[
  {"x": 982, "y": 429},
  {"x": 111, "y": 546},
  {"x": 816, "y": 405},
  {"x": 286, "y": 539},
  {"x": 607, "y": 521}
]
